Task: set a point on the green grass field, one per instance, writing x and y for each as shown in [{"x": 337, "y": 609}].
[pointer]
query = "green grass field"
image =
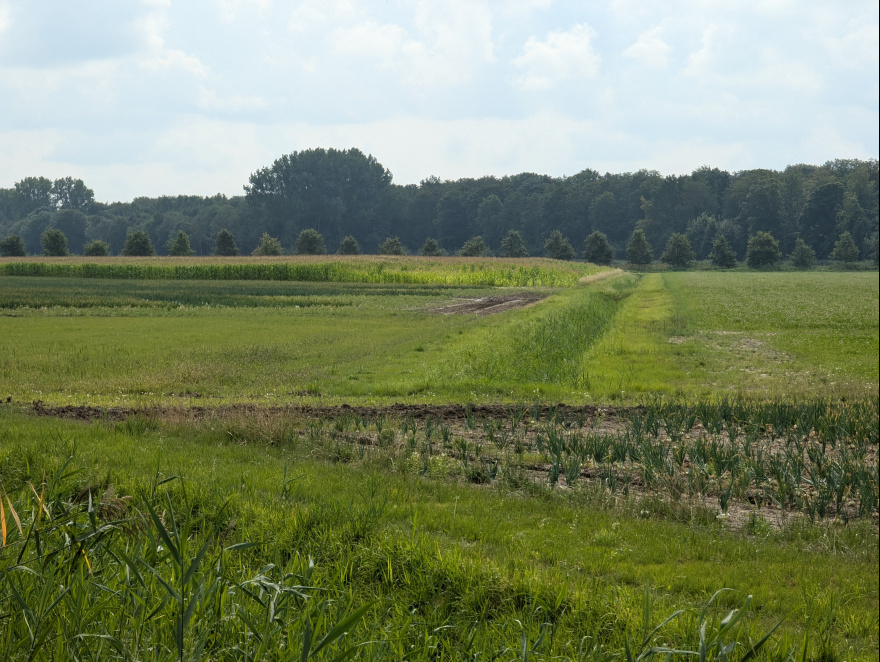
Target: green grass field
[
  {"x": 168, "y": 532},
  {"x": 690, "y": 335}
]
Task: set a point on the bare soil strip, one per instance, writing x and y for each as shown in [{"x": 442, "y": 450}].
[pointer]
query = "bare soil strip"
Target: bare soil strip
[
  {"x": 490, "y": 305},
  {"x": 449, "y": 413}
]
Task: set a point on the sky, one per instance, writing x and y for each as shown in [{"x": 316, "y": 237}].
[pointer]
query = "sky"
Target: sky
[{"x": 159, "y": 97}]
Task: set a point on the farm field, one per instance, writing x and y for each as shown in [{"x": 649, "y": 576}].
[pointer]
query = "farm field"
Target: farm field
[{"x": 480, "y": 462}]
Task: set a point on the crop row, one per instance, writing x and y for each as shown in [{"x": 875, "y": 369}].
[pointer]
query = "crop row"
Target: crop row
[
  {"x": 818, "y": 458},
  {"x": 455, "y": 273}
]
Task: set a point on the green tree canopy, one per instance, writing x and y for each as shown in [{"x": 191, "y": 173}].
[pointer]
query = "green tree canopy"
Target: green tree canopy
[
  {"x": 513, "y": 245},
  {"x": 138, "y": 243},
  {"x": 597, "y": 249},
  {"x": 310, "y": 242},
  {"x": 180, "y": 244},
  {"x": 391, "y": 246},
  {"x": 54, "y": 242},
  {"x": 336, "y": 192},
  {"x": 722, "y": 255},
  {"x": 763, "y": 251},
  {"x": 225, "y": 244},
  {"x": 638, "y": 250},
  {"x": 872, "y": 248},
  {"x": 558, "y": 247},
  {"x": 268, "y": 246},
  {"x": 96, "y": 248},
  {"x": 473, "y": 247},
  {"x": 349, "y": 246},
  {"x": 12, "y": 246},
  {"x": 802, "y": 256},
  {"x": 678, "y": 251},
  {"x": 431, "y": 248},
  {"x": 845, "y": 249}
]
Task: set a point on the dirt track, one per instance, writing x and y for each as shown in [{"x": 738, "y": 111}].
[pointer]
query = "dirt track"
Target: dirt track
[{"x": 490, "y": 305}]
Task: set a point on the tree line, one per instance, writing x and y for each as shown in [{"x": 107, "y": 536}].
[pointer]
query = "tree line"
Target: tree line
[{"x": 348, "y": 199}]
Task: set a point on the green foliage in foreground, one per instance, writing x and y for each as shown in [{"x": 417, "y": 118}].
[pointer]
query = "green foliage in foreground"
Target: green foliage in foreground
[
  {"x": 494, "y": 273},
  {"x": 294, "y": 528}
]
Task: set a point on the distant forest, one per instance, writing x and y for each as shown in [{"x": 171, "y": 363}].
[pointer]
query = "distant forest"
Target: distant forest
[{"x": 345, "y": 192}]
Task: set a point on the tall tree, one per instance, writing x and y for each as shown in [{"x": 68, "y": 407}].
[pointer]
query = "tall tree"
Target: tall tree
[
  {"x": 722, "y": 255},
  {"x": 638, "y": 250},
  {"x": 802, "y": 256},
  {"x": 473, "y": 247},
  {"x": 12, "y": 246},
  {"x": 818, "y": 218},
  {"x": 70, "y": 193},
  {"x": 513, "y": 245},
  {"x": 335, "y": 192},
  {"x": 763, "y": 251},
  {"x": 32, "y": 193},
  {"x": 225, "y": 244},
  {"x": 597, "y": 249},
  {"x": 558, "y": 247},
  {"x": 310, "y": 242},
  {"x": 54, "y": 243},
  {"x": 180, "y": 245},
  {"x": 391, "y": 246},
  {"x": 845, "y": 249},
  {"x": 431, "y": 248},
  {"x": 138, "y": 244},
  {"x": 349, "y": 246},
  {"x": 678, "y": 252}
]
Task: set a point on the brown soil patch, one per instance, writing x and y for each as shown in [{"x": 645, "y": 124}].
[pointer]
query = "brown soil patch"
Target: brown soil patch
[
  {"x": 490, "y": 305},
  {"x": 447, "y": 413}
]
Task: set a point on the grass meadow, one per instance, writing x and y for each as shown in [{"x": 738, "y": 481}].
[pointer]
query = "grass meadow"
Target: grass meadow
[{"x": 344, "y": 467}]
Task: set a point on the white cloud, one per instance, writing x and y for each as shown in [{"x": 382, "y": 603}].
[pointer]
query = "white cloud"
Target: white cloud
[
  {"x": 650, "y": 49},
  {"x": 561, "y": 56},
  {"x": 209, "y": 100},
  {"x": 310, "y": 15},
  {"x": 446, "y": 46}
]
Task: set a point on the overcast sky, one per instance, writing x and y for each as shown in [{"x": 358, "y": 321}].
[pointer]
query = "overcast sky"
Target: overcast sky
[{"x": 153, "y": 97}]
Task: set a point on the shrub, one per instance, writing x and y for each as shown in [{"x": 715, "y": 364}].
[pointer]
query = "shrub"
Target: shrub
[
  {"x": 473, "y": 247},
  {"x": 225, "y": 244},
  {"x": 845, "y": 249},
  {"x": 431, "y": 248},
  {"x": 96, "y": 248},
  {"x": 310, "y": 242},
  {"x": 268, "y": 246},
  {"x": 558, "y": 247},
  {"x": 12, "y": 246},
  {"x": 391, "y": 246},
  {"x": 54, "y": 243},
  {"x": 638, "y": 250},
  {"x": 180, "y": 244},
  {"x": 802, "y": 256},
  {"x": 138, "y": 244},
  {"x": 678, "y": 251},
  {"x": 513, "y": 245},
  {"x": 763, "y": 251},
  {"x": 349, "y": 246},
  {"x": 722, "y": 254},
  {"x": 597, "y": 249}
]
